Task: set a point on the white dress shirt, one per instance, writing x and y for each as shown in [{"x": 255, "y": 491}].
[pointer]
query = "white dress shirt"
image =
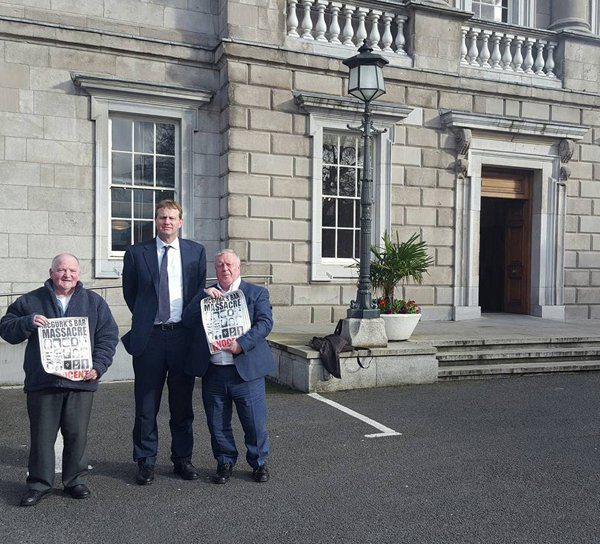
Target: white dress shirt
[{"x": 175, "y": 277}]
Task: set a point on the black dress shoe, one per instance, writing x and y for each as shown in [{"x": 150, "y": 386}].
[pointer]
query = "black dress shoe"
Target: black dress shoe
[
  {"x": 261, "y": 474},
  {"x": 33, "y": 496},
  {"x": 186, "y": 470},
  {"x": 79, "y": 491},
  {"x": 223, "y": 473},
  {"x": 145, "y": 474}
]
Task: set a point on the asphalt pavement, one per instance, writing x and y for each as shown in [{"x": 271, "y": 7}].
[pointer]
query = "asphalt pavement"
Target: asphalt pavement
[{"x": 513, "y": 460}]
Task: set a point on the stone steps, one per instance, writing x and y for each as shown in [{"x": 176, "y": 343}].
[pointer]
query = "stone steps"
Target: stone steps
[{"x": 465, "y": 359}]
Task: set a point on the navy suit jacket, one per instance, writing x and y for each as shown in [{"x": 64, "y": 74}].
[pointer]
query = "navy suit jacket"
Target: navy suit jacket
[
  {"x": 140, "y": 286},
  {"x": 255, "y": 360}
]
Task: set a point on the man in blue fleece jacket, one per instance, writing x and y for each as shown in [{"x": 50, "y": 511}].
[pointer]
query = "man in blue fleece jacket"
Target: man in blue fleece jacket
[{"x": 54, "y": 401}]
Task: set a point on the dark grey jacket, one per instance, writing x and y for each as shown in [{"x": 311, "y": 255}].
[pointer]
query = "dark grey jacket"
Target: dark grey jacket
[{"x": 17, "y": 326}]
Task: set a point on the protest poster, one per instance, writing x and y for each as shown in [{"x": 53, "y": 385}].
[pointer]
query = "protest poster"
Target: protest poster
[
  {"x": 65, "y": 347},
  {"x": 224, "y": 319}
]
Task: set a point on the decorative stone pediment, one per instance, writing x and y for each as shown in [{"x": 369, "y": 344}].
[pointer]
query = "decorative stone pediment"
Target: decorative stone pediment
[
  {"x": 338, "y": 105},
  {"x": 514, "y": 125}
]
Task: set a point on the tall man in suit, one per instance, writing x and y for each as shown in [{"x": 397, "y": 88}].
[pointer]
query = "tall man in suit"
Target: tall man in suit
[
  {"x": 160, "y": 277},
  {"x": 236, "y": 374}
]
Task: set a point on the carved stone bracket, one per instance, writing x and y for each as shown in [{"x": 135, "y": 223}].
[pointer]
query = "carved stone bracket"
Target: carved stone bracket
[
  {"x": 461, "y": 167},
  {"x": 463, "y": 140},
  {"x": 566, "y": 148},
  {"x": 565, "y": 173}
]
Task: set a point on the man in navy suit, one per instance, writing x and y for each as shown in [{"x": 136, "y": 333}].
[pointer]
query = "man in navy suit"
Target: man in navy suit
[
  {"x": 236, "y": 374},
  {"x": 160, "y": 277}
]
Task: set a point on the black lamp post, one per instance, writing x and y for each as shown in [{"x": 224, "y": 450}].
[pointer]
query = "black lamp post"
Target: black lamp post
[{"x": 366, "y": 83}]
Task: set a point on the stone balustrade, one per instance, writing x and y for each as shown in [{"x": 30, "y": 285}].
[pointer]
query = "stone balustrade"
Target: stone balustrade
[
  {"x": 349, "y": 25},
  {"x": 508, "y": 51}
]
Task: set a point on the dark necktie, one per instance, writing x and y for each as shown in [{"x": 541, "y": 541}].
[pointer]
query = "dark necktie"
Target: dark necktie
[{"x": 164, "y": 301}]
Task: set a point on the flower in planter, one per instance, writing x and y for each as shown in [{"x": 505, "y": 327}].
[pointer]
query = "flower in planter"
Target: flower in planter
[{"x": 397, "y": 306}]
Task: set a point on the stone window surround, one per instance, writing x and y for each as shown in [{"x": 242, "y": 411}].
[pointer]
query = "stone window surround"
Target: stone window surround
[
  {"x": 108, "y": 95},
  {"x": 520, "y": 12},
  {"x": 544, "y": 148},
  {"x": 327, "y": 112}
]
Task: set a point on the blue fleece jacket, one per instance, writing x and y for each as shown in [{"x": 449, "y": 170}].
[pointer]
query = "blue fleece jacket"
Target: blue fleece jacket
[{"x": 17, "y": 326}]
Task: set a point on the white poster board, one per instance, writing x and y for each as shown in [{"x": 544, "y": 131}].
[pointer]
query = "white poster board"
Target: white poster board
[
  {"x": 224, "y": 319},
  {"x": 65, "y": 347}
]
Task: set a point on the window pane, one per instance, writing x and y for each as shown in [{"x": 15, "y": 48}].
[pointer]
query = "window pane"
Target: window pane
[
  {"x": 120, "y": 234},
  {"x": 329, "y": 212},
  {"x": 345, "y": 245},
  {"x": 142, "y": 230},
  {"x": 143, "y": 205},
  {"x": 347, "y": 181},
  {"x": 330, "y": 149},
  {"x": 121, "y": 168},
  {"x": 143, "y": 136},
  {"x": 165, "y": 139},
  {"x": 165, "y": 171},
  {"x": 121, "y": 134},
  {"x": 348, "y": 150},
  {"x": 356, "y": 244},
  {"x": 345, "y": 213},
  {"x": 329, "y": 180},
  {"x": 143, "y": 173},
  {"x": 120, "y": 200},
  {"x": 164, "y": 195},
  {"x": 328, "y": 243}
]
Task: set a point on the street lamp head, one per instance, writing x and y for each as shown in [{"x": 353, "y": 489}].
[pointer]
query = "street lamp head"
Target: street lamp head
[{"x": 366, "y": 74}]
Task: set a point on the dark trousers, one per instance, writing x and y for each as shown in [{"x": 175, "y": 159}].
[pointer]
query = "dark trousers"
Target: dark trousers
[
  {"x": 222, "y": 386},
  {"x": 50, "y": 410},
  {"x": 162, "y": 360}
]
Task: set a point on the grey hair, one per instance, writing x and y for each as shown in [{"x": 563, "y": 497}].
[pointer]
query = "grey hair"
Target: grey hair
[
  {"x": 60, "y": 256},
  {"x": 228, "y": 252}
]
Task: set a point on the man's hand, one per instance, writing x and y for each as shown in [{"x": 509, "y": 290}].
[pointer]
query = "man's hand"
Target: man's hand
[
  {"x": 213, "y": 292},
  {"x": 234, "y": 348},
  {"x": 91, "y": 375},
  {"x": 40, "y": 320}
]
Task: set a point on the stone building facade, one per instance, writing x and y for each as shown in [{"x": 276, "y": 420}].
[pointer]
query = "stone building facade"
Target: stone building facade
[{"x": 239, "y": 109}]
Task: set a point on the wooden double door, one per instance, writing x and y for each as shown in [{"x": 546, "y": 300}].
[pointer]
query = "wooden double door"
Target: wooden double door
[{"x": 505, "y": 242}]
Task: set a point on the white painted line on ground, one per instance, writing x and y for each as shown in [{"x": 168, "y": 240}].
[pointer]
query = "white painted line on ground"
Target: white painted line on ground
[{"x": 385, "y": 431}]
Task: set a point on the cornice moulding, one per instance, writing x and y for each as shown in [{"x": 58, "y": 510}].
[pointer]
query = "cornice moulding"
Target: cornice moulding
[{"x": 512, "y": 125}]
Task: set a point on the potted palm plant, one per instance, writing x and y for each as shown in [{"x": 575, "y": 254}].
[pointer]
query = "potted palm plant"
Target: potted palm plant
[{"x": 391, "y": 264}]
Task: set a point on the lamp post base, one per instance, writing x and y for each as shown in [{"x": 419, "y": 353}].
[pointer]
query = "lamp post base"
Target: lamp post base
[{"x": 364, "y": 333}]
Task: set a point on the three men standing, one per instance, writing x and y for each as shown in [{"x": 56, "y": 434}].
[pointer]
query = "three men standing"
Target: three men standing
[
  {"x": 160, "y": 278},
  {"x": 55, "y": 402}
]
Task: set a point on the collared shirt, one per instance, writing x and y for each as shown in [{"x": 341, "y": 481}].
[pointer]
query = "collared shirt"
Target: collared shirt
[
  {"x": 225, "y": 357},
  {"x": 175, "y": 277},
  {"x": 63, "y": 302}
]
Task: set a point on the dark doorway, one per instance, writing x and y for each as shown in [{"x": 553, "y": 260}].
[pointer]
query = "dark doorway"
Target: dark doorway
[{"x": 504, "y": 255}]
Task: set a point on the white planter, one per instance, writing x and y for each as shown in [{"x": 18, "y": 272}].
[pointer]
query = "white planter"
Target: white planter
[{"x": 400, "y": 326}]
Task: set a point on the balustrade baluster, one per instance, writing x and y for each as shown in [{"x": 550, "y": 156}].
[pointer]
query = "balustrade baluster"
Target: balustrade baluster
[
  {"x": 321, "y": 27},
  {"x": 334, "y": 27},
  {"x": 307, "y": 24},
  {"x": 550, "y": 60},
  {"x": 528, "y": 61},
  {"x": 361, "y": 32},
  {"x": 463, "y": 46},
  {"x": 484, "y": 54},
  {"x": 374, "y": 35},
  {"x": 496, "y": 56},
  {"x": 506, "y": 54},
  {"x": 473, "y": 53},
  {"x": 518, "y": 56},
  {"x": 539, "y": 59},
  {"x": 400, "y": 39},
  {"x": 348, "y": 31},
  {"x": 386, "y": 39},
  {"x": 292, "y": 20}
]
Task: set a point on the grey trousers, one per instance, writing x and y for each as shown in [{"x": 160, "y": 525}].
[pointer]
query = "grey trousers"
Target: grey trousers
[{"x": 50, "y": 410}]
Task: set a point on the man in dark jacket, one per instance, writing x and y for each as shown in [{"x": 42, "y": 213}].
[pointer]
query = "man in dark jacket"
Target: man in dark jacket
[
  {"x": 236, "y": 374},
  {"x": 54, "y": 401}
]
